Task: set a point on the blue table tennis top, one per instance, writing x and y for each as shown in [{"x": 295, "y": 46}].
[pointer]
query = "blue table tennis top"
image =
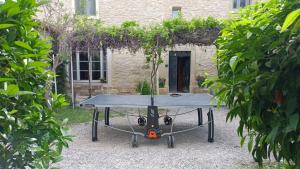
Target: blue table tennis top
[{"x": 162, "y": 101}]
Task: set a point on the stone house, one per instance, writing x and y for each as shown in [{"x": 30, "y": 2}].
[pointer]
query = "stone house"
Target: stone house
[{"x": 120, "y": 71}]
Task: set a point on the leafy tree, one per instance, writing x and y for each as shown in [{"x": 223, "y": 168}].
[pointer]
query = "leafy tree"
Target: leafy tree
[
  {"x": 29, "y": 135},
  {"x": 259, "y": 79}
]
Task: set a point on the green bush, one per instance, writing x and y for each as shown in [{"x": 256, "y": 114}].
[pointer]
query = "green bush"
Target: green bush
[
  {"x": 259, "y": 79},
  {"x": 29, "y": 135},
  {"x": 143, "y": 88}
]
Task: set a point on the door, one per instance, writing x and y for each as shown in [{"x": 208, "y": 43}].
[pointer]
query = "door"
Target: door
[
  {"x": 172, "y": 73},
  {"x": 179, "y": 71}
]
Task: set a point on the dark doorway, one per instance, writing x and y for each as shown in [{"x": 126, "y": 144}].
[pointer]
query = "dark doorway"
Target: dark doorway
[{"x": 179, "y": 71}]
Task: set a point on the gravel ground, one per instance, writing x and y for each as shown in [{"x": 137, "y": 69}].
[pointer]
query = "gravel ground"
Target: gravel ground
[{"x": 113, "y": 150}]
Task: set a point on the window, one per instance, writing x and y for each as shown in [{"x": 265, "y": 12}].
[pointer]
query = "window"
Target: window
[
  {"x": 176, "y": 11},
  {"x": 90, "y": 64},
  {"x": 85, "y": 7},
  {"x": 240, "y": 3}
]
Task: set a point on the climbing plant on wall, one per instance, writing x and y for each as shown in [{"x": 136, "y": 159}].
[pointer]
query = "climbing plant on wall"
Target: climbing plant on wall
[
  {"x": 153, "y": 40},
  {"x": 259, "y": 79}
]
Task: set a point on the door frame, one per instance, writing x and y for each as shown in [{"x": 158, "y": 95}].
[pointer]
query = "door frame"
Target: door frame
[{"x": 176, "y": 55}]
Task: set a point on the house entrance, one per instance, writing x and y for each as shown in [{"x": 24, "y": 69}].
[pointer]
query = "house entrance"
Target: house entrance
[{"x": 179, "y": 71}]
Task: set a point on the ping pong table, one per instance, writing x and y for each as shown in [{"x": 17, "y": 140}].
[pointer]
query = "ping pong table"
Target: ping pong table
[{"x": 151, "y": 123}]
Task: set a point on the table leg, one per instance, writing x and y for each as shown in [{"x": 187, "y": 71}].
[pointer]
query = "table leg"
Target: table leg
[
  {"x": 200, "y": 117},
  {"x": 106, "y": 116},
  {"x": 210, "y": 125},
  {"x": 95, "y": 125}
]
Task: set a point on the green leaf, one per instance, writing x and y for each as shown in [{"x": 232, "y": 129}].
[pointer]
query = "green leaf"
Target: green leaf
[
  {"x": 296, "y": 26},
  {"x": 250, "y": 144},
  {"x": 12, "y": 89},
  {"x": 293, "y": 123},
  {"x": 12, "y": 112},
  {"x": 5, "y": 26},
  {"x": 291, "y": 104},
  {"x": 271, "y": 137},
  {"x": 268, "y": 64},
  {"x": 249, "y": 34},
  {"x": 290, "y": 19},
  {"x": 25, "y": 93},
  {"x": 6, "y": 79},
  {"x": 233, "y": 62},
  {"x": 26, "y": 56},
  {"x": 242, "y": 141},
  {"x": 13, "y": 11},
  {"x": 38, "y": 64},
  {"x": 23, "y": 45}
]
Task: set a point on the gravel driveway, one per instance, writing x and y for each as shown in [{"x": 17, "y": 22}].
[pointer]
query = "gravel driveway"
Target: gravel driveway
[{"x": 113, "y": 148}]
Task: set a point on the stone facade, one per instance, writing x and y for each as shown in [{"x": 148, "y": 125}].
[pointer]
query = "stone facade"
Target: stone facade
[
  {"x": 201, "y": 64},
  {"x": 127, "y": 69}
]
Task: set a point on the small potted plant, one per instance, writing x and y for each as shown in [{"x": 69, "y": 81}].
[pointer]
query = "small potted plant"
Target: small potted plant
[
  {"x": 103, "y": 80},
  {"x": 201, "y": 89},
  {"x": 200, "y": 80},
  {"x": 143, "y": 87},
  {"x": 162, "y": 88}
]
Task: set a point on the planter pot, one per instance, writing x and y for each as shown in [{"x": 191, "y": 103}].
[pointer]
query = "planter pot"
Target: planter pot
[
  {"x": 201, "y": 90},
  {"x": 163, "y": 91}
]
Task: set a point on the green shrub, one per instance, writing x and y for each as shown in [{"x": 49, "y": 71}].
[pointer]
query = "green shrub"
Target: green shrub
[
  {"x": 29, "y": 135},
  {"x": 259, "y": 79},
  {"x": 143, "y": 88}
]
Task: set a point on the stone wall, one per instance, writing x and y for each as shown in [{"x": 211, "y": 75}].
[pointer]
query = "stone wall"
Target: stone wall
[
  {"x": 150, "y": 11},
  {"x": 146, "y": 12},
  {"x": 127, "y": 70}
]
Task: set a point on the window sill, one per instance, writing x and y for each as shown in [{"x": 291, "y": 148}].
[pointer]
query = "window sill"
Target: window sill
[
  {"x": 86, "y": 82},
  {"x": 89, "y": 16},
  {"x": 234, "y": 10}
]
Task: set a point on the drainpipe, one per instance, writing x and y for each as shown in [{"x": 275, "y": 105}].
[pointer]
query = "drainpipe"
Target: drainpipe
[
  {"x": 157, "y": 81},
  {"x": 72, "y": 83},
  {"x": 90, "y": 75},
  {"x": 54, "y": 71}
]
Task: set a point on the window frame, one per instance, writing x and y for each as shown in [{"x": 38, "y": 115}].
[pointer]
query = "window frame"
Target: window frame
[
  {"x": 176, "y": 9},
  {"x": 238, "y": 4},
  {"x": 86, "y": 9},
  {"x": 90, "y": 65}
]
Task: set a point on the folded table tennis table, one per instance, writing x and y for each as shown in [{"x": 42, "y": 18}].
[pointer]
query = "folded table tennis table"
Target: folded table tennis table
[{"x": 152, "y": 127}]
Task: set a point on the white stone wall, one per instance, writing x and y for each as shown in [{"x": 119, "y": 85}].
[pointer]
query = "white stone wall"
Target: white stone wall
[{"x": 150, "y": 11}]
